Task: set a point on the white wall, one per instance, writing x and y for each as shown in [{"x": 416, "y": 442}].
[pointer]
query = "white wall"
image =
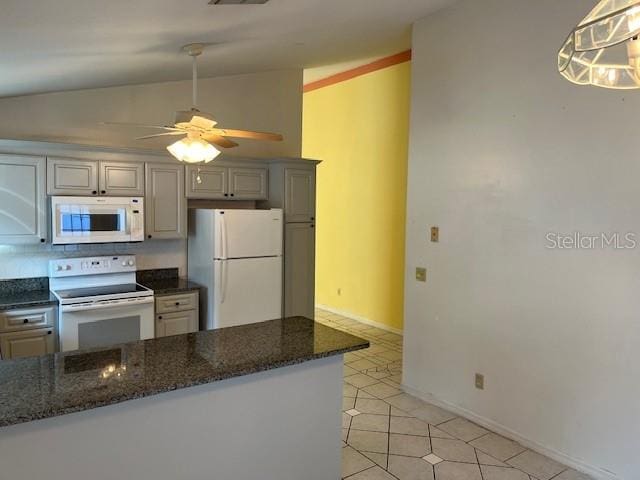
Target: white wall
[
  {"x": 268, "y": 101},
  {"x": 504, "y": 150}
]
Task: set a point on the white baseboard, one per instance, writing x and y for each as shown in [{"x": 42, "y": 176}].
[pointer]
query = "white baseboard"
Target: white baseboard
[
  {"x": 581, "y": 466},
  {"x": 358, "y": 318}
]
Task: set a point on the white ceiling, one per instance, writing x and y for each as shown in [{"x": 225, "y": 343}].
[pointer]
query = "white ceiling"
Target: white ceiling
[{"x": 52, "y": 45}]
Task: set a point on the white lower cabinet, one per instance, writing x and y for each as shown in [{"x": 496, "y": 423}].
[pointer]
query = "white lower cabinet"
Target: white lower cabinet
[
  {"x": 168, "y": 324},
  {"x": 29, "y": 343},
  {"x": 27, "y": 333},
  {"x": 177, "y": 314},
  {"x": 299, "y": 269}
]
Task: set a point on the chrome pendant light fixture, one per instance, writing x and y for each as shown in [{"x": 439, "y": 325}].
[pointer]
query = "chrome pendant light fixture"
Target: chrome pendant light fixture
[{"x": 604, "y": 49}]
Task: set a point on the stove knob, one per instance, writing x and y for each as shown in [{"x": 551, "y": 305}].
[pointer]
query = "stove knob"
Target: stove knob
[
  {"x": 131, "y": 263},
  {"x": 67, "y": 267},
  {"x": 124, "y": 264},
  {"x": 58, "y": 268}
]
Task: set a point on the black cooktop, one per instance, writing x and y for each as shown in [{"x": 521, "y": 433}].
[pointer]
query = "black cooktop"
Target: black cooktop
[{"x": 101, "y": 291}]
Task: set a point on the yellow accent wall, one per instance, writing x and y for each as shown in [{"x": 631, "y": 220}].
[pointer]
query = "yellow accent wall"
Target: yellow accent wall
[{"x": 359, "y": 128}]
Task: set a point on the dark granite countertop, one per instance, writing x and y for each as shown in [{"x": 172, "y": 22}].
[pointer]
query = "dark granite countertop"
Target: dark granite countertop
[
  {"x": 171, "y": 286},
  {"x": 57, "y": 384},
  {"x": 165, "y": 281},
  {"x": 28, "y": 299},
  {"x": 25, "y": 293}
]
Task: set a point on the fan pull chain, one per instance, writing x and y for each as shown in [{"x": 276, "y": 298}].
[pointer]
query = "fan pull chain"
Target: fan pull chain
[{"x": 198, "y": 179}]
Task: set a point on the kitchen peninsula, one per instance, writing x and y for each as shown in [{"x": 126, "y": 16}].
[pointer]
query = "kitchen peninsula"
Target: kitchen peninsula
[{"x": 229, "y": 403}]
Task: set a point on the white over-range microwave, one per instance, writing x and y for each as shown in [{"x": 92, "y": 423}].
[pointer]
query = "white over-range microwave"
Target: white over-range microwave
[{"x": 96, "y": 220}]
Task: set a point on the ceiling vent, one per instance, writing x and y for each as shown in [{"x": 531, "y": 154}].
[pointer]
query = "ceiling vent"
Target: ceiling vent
[{"x": 237, "y": 2}]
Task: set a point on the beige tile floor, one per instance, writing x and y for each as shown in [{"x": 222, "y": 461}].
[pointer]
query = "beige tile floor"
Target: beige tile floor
[{"x": 390, "y": 435}]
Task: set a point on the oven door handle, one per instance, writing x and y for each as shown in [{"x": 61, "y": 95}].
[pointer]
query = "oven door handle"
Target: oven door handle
[{"x": 102, "y": 306}]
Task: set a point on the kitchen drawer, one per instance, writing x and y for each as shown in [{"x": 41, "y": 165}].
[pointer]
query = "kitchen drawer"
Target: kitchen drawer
[
  {"x": 13, "y": 320},
  {"x": 177, "y": 303}
]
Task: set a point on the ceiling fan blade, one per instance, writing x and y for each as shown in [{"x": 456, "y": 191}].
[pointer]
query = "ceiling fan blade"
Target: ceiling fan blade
[
  {"x": 161, "y": 135},
  {"x": 274, "y": 137},
  {"x": 219, "y": 140},
  {"x": 138, "y": 125}
]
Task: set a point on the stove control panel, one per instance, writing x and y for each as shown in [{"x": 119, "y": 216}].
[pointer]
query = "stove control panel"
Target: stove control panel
[{"x": 72, "y": 267}]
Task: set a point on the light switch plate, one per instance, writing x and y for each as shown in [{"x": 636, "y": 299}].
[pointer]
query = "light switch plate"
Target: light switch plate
[
  {"x": 435, "y": 234},
  {"x": 421, "y": 274}
]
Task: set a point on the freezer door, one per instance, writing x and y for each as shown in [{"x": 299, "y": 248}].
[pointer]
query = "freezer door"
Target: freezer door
[
  {"x": 247, "y": 291},
  {"x": 247, "y": 233}
]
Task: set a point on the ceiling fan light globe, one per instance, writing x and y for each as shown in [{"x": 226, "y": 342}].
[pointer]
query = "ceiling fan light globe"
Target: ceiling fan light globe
[{"x": 193, "y": 150}]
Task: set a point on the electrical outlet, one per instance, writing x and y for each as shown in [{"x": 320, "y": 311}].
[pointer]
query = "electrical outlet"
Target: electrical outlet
[
  {"x": 435, "y": 234},
  {"x": 421, "y": 274},
  {"x": 479, "y": 381}
]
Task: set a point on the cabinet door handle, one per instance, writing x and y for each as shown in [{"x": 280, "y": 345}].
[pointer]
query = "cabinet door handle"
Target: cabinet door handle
[
  {"x": 177, "y": 304},
  {"x": 26, "y": 320},
  {"x": 49, "y": 332},
  {"x": 160, "y": 317},
  {"x": 149, "y": 236},
  {"x": 313, "y": 226},
  {"x": 42, "y": 240},
  {"x": 95, "y": 192},
  {"x": 232, "y": 194},
  {"x": 103, "y": 192},
  {"x": 226, "y": 194}
]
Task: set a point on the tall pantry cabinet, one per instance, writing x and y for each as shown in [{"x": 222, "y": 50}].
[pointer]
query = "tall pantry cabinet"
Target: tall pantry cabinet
[{"x": 292, "y": 187}]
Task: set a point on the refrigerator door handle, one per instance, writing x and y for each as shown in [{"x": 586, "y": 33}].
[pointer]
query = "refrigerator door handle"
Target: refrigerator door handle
[
  {"x": 223, "y": 281},
  {"x": 223, "y": 235}
]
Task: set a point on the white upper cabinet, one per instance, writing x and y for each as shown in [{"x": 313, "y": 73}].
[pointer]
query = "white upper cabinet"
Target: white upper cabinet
[
  {"x": 300, "y": 195},
  {"x": 72, "y": 177},
  {"x": 207, "y": 182},
  {"x": 67, "y": 176},
  {"x": 248, "y": 183},
  {"x": 224, "y": 182},
  {"x": 122, "y": 179},
  {"x": 165, "y": 203},
  {"x": 23, "y": 200}
]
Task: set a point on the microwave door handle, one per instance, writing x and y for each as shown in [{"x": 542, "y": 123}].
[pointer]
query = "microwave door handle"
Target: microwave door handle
[{"x": 129, "y": 216}]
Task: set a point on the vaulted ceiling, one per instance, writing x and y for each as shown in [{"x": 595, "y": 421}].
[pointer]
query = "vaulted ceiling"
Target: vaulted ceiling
[{"x": 73, "y": 44}]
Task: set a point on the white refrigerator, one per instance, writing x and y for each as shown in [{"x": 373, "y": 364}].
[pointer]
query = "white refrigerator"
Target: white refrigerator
[{"x": 237, "y": 256}]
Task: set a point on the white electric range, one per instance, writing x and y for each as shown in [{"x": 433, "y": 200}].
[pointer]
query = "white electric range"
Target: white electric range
[{"x": 100, "y": 302}]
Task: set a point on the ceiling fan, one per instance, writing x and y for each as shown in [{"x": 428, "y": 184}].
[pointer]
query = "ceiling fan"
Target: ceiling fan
[{"x": 199, "y": 128}]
